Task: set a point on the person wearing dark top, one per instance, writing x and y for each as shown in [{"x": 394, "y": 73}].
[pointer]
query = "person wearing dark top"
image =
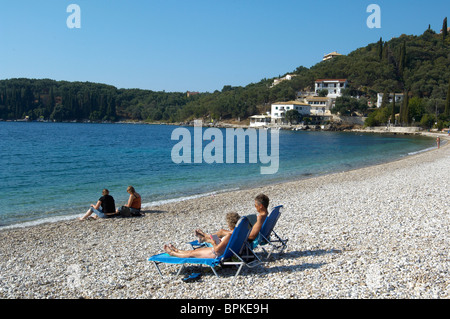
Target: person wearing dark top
[{"x": 104, "y": 208}]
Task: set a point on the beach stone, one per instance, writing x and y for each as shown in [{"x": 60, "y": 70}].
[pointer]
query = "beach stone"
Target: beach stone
[{"x": 375, "y": 232}]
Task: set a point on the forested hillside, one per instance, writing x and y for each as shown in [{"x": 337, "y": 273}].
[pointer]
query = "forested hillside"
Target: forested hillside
[{"x": 418, "y": 66}]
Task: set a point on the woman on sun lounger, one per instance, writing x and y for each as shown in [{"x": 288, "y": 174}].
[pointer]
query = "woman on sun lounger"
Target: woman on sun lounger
[{"x": 216, "y": 250}]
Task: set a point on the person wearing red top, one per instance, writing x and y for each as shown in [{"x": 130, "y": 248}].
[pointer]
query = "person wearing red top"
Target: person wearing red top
[{"x": 134, "y": 202}]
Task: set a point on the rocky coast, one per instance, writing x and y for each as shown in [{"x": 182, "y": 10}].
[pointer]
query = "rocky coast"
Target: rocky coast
[{"x": 375, "y": 232}]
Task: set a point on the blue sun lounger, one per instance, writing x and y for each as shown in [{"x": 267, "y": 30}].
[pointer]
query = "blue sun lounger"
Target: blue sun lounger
[
  {"x": 267, "y": 235},
  {"x": 235, "y": 246}
]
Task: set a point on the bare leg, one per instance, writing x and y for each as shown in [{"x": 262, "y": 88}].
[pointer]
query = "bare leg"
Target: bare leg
[
  {"x": 88, "y": 213},
  {"x": 199, "y": 253}
]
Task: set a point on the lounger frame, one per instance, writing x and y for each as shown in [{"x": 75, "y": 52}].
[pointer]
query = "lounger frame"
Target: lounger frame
[{"x": 239, "y": 240}]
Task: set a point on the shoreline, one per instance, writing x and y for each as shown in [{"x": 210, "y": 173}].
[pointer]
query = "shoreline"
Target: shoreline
[
  {"x": 147, "y": 206},
  {"x": 375, "y": 232}
]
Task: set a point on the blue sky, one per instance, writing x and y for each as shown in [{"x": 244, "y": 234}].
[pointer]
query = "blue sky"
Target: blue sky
[{"x": 195, "y": 45}]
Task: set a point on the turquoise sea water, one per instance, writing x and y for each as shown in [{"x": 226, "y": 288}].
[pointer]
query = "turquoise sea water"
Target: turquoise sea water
[{"x": 52, "y": 171}]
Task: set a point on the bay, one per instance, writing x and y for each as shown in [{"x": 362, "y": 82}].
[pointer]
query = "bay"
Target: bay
[{"x": 54, "y": 171}]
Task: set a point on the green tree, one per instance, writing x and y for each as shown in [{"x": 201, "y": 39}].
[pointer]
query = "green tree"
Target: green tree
[
  {"x": 416, "y": 108},
  {"x": 323, "y": 93},
  {"x": 380, "y": 49},
  {"x": 404, "y": 109},
  {"x": 385, "y": 99},
  {"x": 444, "y": 29},
  {"x": 393, "y": 110},
  {"x": 292, "y": 116},
  {"x": 427, "y": 121},
  {"x": 447, "y": 103},
  {"x": 402, "y": 59},
  {"x": 378, "y": 117},
  {"x": 60, "y": 113}
]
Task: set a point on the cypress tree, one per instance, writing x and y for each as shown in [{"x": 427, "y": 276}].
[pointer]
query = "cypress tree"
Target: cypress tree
[
  {"x": 402, "y": 60},
  {"x": 444, "y": 29},
  {"x": 385, "y": 99},
  {"x": 404, "y": 113},
  {"x": 51, "y": 101},
  {"x": 447, "y": 103},
  {"x": 385, "y": 51},
  {"x": 393, "y": 111},
  {"x": 380, "y": 49}
]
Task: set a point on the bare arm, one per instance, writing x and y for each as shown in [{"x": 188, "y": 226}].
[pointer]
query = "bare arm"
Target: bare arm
[
  {"x": 257, "y": 227},
  {"x": 130, "y": 201},
  {"x": 96, "y": 206},
  {"x": 219, "y": 248}
]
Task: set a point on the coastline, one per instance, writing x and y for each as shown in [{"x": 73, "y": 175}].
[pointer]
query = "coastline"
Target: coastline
[
  {"x": 293, "y": 178},
  {"x": 374, "y": 232}
]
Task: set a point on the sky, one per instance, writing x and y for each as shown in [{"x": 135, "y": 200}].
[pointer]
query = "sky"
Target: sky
[{"x": 193, "y": 45}]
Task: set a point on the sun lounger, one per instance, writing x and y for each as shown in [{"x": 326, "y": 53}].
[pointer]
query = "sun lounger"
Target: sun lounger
[
  {"x": 233, "y": 250},
  {"x": 267, "y": 235}
]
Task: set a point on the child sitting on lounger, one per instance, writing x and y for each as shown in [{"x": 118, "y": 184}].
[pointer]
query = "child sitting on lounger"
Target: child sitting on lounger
[{"x": 216, "y": 250}]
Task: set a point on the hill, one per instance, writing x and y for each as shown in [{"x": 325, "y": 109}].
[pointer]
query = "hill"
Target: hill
[{"x": 416, "y": 65}]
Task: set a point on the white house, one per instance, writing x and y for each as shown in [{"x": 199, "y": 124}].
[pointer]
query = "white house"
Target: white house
[
  {"x": 331, "y": 55},
  {"x": 259, "y": 120},
  {"x": 279, "y": 109},
  {"x": 287, "y": 77},
  {"x": 398, "y": 98},
  {"x": 333, "y": 86},
  {"x": 320, "y": 106}
]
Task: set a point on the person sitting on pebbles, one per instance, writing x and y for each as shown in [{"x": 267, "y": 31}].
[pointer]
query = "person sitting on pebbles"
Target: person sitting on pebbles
[
  {"x": 104, "y": 208},
  {"x": 133, "y": 205},
  {"x": 217, "y": 249}
]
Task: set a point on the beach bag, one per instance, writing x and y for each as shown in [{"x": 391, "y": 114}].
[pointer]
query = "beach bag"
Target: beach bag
[
  {"x": 124, "y": 211},
  {"x": 135, "y": 212}
]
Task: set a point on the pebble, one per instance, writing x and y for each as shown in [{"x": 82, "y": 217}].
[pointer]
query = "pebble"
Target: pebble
[{"x": 376, "y": 232}]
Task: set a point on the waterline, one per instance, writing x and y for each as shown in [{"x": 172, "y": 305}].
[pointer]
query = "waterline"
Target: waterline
[{"x": 49, "y": 171}]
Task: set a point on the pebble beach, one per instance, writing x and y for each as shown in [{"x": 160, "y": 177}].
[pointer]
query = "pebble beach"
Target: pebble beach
[{"x": 379, "y": 232}]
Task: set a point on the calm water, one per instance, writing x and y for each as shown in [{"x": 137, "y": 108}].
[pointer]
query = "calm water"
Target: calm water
[{"x": 52, "y": 171}]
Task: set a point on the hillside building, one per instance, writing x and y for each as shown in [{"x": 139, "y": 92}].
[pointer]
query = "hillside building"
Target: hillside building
[
  {"x": 333, "y": 86},
  {"x": 279, "y": 109},
  {"x": 398, "y": 98},
  {"x": 330, "y": 56}
]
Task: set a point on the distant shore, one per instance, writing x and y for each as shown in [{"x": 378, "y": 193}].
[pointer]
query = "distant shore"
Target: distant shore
[{"x": 407, "y": 130}]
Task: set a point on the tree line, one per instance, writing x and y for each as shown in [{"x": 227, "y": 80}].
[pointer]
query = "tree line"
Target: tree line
[{"x": 417, "y": 66}]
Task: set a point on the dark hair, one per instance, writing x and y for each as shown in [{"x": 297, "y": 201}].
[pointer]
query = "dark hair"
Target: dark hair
[{"x": 263, "y": 200}]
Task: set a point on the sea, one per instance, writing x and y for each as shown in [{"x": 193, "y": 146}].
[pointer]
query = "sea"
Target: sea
[{"x": 53, "y": 171}]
